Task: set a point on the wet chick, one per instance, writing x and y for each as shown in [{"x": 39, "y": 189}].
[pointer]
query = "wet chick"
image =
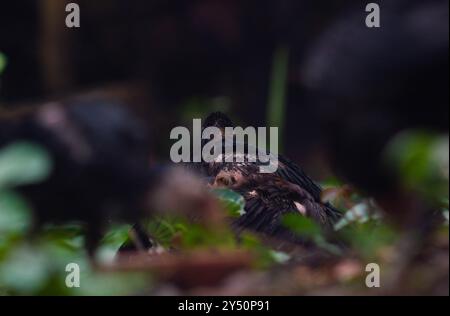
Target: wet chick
[
  {"x": 269, "y": 196},
  {"x": 267, "y": 199}
]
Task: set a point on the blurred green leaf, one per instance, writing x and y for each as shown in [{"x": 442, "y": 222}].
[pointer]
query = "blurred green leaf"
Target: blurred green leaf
[
  {"x": 39, "y": 269},
  {"x": 15, "y": 216},
  {"x": 3, "y": 62},
  {"x": 301, "y": 225},
  {"x": 280, "y": 257},
  {"x": 233, "y": 202},
  {"x": 421, "y": 159},
  {"x": 360, "y": 213},
  {"x": 369, "y": 237},
  {"x": 445, "y": 210},
  {"x": 197, "y": 236},
  {"x": 331, "y": 182},
  {"x": 190, "y": 235},
  {"x": 112, "y": 241},
  {"x": 308, "y": 228},
  {"x": 445, "y": 213},
  {"x": 278, "y": 86},
  {"x": 25, "y": 271},
  {"x": 23, "y": 163},
  {"x": 111, "y": 284},
  {"x": 267, "y": 257},
  {"x": 164, "y": 230}
]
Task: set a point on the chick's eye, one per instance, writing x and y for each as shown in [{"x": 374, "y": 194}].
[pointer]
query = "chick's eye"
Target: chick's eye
[{"x": 223, "y": 181}]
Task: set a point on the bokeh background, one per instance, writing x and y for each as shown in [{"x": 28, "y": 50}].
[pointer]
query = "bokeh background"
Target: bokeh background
[{"x": 362, "y": 110}]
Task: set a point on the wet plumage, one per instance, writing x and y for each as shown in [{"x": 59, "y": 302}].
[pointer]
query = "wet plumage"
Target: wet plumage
[{"x": 268, "y": 196}]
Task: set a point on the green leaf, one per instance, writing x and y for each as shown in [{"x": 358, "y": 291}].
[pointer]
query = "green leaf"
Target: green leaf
[
  {"x": 164, "y": 230},
  {"x": 3, "y": 62},
  {"x": 111, "y": 284},
  {"x": 233, "y": 202},
  {"x": 331, "y": 182},
  {"x": 445, "y": 214},
  {"x": 112, "y": 241},
  {"x": 367, "y": 238},
  {"x": 276, "y": 107},
  {"x": 198, "y": 236},
  {"x": 279, "y": 256},
  {"x": 23, "y": 163},
  {"x": 301, "y": 225},
  {"x": 359, "y": 213},
  {"x": 421, "y": 160},
  {"x": 25, "y": 271},
  {"x": 15, "y": 216},
  {"x": 309, "y": 229}
]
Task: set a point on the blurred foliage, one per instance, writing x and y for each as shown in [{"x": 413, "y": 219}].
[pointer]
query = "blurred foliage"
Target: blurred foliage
[
  {"x": 23, "y": 163},
  {"x": 232, "y": 202},
  {"x": 20, "y": 163},
  {"x": 36, "y": 266},
  {"x": 14, "y": 215},
  {"x": 3, "y": 62},
  {"x": 361, "y": 212},
  {"x": 311, "y": 231},
  {"x": 421, "y": 159},
  {"x": 277, "y": 93},
  {"x": 181, "y": 234},
  {"x": 369, "y": 239}
]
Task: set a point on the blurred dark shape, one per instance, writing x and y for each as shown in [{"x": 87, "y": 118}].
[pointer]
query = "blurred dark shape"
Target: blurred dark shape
[
  {"x": 100, "y": 162},
  {"x": 178, "y": 191},
  {"x": 181, "y": 192},
  {"x": 268, "y": 196},
  {"x": 139, "y": 240},
  {"x": 368, "y": 84}
]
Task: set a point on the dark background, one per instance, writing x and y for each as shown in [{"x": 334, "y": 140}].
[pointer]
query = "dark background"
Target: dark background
[
  {"x": 173, "y": 60},
  {"x": 364, "y": 111}
]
